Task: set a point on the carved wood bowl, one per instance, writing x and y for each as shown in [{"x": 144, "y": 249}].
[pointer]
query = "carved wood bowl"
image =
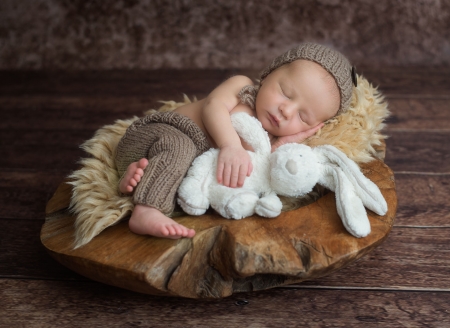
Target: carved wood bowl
[{"x": 225, "y": 256}]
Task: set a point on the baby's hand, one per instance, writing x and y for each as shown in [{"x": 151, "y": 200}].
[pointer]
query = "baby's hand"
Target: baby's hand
[
  {"x": 296, "y": 138},
  {"x": 233, "y": 166}
]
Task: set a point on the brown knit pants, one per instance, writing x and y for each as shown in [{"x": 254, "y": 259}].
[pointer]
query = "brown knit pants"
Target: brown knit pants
[{"x": 170, "y": 142}]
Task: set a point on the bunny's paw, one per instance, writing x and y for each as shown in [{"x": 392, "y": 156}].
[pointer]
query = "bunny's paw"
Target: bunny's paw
[
  {"x": 241, "y": 205},
  {"x": 269, "y": 206},
  {"x": 196, "y": 205}
]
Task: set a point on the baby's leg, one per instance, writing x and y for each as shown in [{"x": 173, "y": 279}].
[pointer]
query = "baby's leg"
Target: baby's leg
[
  {"x": 170, "y": 152},
  {"x": 146, "y": 220},
  {"x": 132, "y": 176}
]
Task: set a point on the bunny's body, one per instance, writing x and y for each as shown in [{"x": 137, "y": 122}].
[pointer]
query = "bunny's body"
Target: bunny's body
[
  {"x": 292, "y": 170},
  {"x": 200, "y": 189}
]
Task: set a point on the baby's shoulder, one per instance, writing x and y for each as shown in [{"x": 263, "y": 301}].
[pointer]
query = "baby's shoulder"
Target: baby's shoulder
[
  {"x": 237, "y": 82},
  {"x": 241, "y": 79}
]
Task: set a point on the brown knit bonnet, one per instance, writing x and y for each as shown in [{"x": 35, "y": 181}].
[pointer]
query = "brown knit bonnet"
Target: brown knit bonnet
[{"x": 331, "y": 60}]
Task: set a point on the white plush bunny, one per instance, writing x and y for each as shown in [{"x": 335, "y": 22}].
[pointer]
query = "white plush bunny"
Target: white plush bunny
[{"x": 292, "y": 170}]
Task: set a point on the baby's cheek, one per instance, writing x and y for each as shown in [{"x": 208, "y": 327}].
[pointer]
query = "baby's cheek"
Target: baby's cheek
[{"x": 268, "y": 127}]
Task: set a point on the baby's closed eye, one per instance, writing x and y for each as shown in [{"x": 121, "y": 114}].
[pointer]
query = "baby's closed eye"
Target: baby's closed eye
[
  {"x": 302, "y": 118},
  {"x": 284, "y": 93}
]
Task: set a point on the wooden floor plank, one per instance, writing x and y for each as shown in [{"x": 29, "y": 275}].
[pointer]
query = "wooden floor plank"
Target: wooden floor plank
[
  {"x": 419, "y": 113},
  {"x": 106, "y": 83},
  {"x": 24, "y": 194},
  {"x": 392, "y": 81},
  {"x": 423, "y": 200},
  {"x": 37, "y": 137},
  {"x": 42, "y": 157},
  {"x": 409, "y": 258},
  {"x": 70, "y": 304},
  {"x": 73, "y": 113},
  {"x": 410, "y": 81},
  {"x": 23, "y": 255},
  {"x": 69, "y": 112},
  {"x": 418, "y": 151}
]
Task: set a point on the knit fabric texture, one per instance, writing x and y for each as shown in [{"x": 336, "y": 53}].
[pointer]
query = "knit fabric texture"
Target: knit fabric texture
[
  {"x": 170, "y": 142},
  {"x": 331, "y": 60},
  {"x": 247, "y": 95}
]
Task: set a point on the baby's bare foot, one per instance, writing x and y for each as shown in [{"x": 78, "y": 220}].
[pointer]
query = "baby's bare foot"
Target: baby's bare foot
[
  {"x": 146, "y": 220},
  {"x": 132, "y": 176}
]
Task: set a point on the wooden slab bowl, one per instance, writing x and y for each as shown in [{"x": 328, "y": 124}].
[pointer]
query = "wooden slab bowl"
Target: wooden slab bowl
[{"x": 225, "y": 256}]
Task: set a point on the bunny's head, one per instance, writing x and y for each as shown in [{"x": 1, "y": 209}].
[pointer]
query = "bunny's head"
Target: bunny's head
[
  {"x": 293, "y": 170},
  {"x": 296, "y": 169}
]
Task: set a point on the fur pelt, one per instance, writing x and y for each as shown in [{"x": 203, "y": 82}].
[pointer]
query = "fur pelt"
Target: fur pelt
[{"x": 96, "y": 201}]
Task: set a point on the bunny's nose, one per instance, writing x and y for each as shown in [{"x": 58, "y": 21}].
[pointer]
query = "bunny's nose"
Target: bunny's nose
[{"x": 291, "y": 166}]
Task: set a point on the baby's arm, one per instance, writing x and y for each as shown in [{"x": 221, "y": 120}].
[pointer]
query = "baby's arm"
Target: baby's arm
[{"x": 234, "y": 163}]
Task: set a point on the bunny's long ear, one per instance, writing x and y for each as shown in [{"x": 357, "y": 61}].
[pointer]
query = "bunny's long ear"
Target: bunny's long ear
[
  {"x": 348, "y": 204},
  {"x": 367, "y": 191}
]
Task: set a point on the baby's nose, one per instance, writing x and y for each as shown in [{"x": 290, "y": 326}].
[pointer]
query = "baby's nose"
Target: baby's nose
[{"x": 287, "y": 110}]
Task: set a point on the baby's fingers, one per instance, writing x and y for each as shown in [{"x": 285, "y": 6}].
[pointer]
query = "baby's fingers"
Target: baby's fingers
[
  {"x": 312, "y": 131},
  {"x": 243, "y": 173},
  {"x": 249, "y": 169},
  {"x": 219, "y": 172},
  {"x": 235, "y": 176},
  {"x": 226, "y": 175}
]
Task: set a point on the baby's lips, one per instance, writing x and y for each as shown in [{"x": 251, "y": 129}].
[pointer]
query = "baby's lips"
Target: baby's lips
[{"x": 275, "y": 121}]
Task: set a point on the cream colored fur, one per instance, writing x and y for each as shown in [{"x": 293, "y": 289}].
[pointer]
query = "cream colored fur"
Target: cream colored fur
[{"x": 96, "y": 201}]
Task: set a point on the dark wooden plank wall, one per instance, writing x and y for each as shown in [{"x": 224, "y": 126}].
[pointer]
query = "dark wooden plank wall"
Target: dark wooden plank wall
[{"x": 44, "y": 116}]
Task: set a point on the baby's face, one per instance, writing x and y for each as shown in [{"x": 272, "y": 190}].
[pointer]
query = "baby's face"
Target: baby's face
[{"x": 296, "y": 97}]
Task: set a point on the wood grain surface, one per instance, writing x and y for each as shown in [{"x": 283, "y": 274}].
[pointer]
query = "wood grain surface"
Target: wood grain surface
[
  {"x": 85, "y": 304},
  {"x": 44, "y": 117}
]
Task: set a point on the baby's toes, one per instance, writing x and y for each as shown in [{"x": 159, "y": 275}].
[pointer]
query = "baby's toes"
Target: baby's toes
[
  {"x": 181, "y": 231},
  {"x": 172, "y": 230},
  {"x": 142, "y": 164},
  {"x": 164, "y": 230},
  {"x": 190, "y": 233},
  {"x": 137, "y": 177}
]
